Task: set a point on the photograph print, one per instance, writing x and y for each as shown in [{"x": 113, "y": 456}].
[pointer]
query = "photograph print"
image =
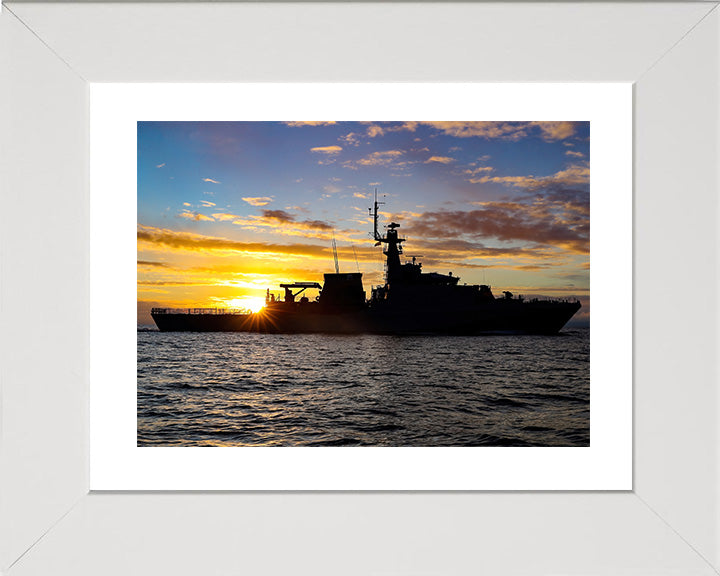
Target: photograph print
[{"x": 333, "y": 283}]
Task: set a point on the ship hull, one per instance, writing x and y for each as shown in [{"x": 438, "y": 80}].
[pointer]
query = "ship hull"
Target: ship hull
[{"x": 497, "y": 317}]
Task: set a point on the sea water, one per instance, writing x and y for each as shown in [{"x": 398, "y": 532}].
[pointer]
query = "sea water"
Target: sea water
[{"x": 244, "y": 389}]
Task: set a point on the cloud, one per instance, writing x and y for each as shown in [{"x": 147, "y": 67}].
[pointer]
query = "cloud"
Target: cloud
[
  {"x": 285, "y": 217},
  {"x": 279, "y": 215},
  {"x": 380, "y": 129},
  {"x": 561, "y": 222},
  {"x": 160, "y": 165},
  {"x": 258, "y": 200},
  {"x": 381, "y": 158},
  {"x": 284, "y": 222},
  {"x": 152, "y": 264},
  {"x": 505, "y": 130},
  {"x": 187, "y": 204},
  {"x": 548, "y": 131},
  {"x": 436, "y": 251},
  {"x": 574, "y": 153},
  {"x": 207, "y": 204},
  {"x": 474, "y": 172},
  {"x": 311, "y": 123},
  {"x": 195, "y": 216},
  {"x": 223, "y": 216},
  {"x": 327, "y": 149},
  {"x": 572, "y": 176},
  {"x": 351, "y": 139},
  {"x": 200, "y": 243},
  {"x": 555, "y": 130},
  {"x": 440, "y": 160},
  {"x": 359, "y": 195},
  {"x": 185, "y": 282},
  {"x": 211, "y": 180}
]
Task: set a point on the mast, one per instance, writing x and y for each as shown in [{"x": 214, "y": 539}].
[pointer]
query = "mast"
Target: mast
[
  {"x": 374, "y": 214},
  {"x": 334, "y": 247},
  {"x": 393, "y": 241}
]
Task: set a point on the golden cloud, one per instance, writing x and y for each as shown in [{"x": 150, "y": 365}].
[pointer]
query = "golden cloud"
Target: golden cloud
[
  {"x": 258, "y": 200},
  {"x": 549, "y": 131},
  {"x": 199, "y": 243},
  {"x": 222, "y": 216},
  {"x": 574, "y": 175},
  {"x": 440, "y": 159},
  {"x": 311, "y": 123},
  {"x": 195, "y": 216},
  {"x": 382, "y": 158},
  {"x": 327, "y": 149}
]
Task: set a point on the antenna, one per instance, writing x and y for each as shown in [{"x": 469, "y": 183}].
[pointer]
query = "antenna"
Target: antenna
[
  {"x": 374, "y": 213},
  {"x": 356, "y": 260},
  {"x": 334, "y": 246}
]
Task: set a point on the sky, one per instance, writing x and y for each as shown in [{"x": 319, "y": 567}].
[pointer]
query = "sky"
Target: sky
[{"x": 227, "y": 210}]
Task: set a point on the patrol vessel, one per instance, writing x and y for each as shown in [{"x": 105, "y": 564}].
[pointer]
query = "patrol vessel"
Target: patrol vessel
[{"x": 410, "y": 301}]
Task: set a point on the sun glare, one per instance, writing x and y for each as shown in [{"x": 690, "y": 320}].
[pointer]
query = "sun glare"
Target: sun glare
[{"x": 252, "y": 303}]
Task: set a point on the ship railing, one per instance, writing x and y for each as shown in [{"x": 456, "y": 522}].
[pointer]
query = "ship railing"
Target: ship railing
[
  {"x": 203, "y": 311},
  {"x": 568, "y": 300}
]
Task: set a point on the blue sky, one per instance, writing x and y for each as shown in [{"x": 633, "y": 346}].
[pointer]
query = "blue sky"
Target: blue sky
[{"x": 228, "y": 209}]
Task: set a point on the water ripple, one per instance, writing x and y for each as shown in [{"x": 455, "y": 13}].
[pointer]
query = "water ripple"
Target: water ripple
[{"x": 241, "y": 389}]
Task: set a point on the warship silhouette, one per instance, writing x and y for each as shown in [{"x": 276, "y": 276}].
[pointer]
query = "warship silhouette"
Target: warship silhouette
[{"x": 409, "y": 302}]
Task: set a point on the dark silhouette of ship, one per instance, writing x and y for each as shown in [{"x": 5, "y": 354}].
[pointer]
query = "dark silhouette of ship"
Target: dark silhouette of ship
[{"x": 410, "y": 302}]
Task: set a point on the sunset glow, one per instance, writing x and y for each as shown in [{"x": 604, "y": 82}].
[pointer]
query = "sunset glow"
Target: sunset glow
[
  {"x": 252, "y": 303},
  {"x": 227, "y": 210}
]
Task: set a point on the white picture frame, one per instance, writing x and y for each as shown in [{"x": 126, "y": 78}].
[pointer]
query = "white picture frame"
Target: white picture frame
[{"x": 668, "y": 523}]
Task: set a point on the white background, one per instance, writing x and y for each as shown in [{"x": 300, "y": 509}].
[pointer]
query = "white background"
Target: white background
[{"x": 116, "y": 461}]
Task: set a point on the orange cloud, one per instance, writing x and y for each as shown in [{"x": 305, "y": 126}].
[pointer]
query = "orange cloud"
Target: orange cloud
[
  {"x": 440, "y": 159},
  {"x": 549, "y": 131},
  {"x": 258, "y": 201},
  {"x": 223, "y": 217},
  {"x": 573, "y": 175},
  {"x": 199, "y": 243},
  {"x": 284, "y": 222},
  {"x": 382, "y": 158},
  {"x": 152, "y": 264},
  {"x": 311, "y": 123},
  {"x": 195, "y": 216},
  {"x": 327, "y": 149}
]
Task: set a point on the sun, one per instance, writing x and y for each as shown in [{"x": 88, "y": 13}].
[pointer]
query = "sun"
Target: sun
[{"x": 252, "y": 303}]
